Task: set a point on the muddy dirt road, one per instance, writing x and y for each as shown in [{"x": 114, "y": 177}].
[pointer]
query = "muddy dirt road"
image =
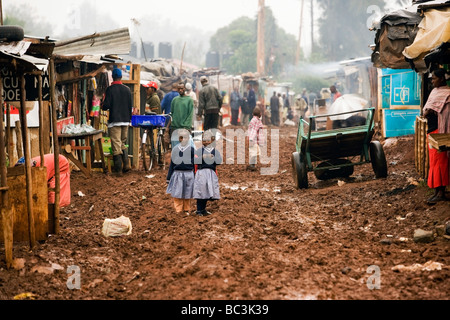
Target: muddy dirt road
[{"x": 265, "y": 240}]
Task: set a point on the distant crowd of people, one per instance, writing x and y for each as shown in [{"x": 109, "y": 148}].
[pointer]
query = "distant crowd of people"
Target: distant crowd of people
[{"x": 282, "y": 111}]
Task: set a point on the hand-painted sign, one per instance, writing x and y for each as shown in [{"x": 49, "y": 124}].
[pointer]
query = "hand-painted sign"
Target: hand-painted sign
[
  {"x": 400, "y": 89},
  {"x": 398, "y": 122},
  {"x": 11, "y": 87},
  {"x": 32, "y": 114}
]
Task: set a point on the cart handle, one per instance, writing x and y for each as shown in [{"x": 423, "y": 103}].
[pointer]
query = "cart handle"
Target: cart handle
[{"x": 342, "y": 113}]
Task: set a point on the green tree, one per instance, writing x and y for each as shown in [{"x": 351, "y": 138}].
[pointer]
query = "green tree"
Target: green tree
[
  {"x": 240, "y": 37},
  {"x": 311, "y": 82},
  {"x": 343, "y": 28}
]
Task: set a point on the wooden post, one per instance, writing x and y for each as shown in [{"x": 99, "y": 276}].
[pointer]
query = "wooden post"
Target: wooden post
[
  {"x": 41, "y": 121},
  {"x": 8, "y": 133},
  {"x": 182, "y": 56},
  {"x": 261, "y": 60},
  {"x": 6, "y": 212},
  {"x": 137, "y": 104},
  {"x": 1, "y": 12},
  {"x": 27, "y": 155},
  {"x": 19, "y": 139},
  {"x": 52, "y": 78},
  {"x": 297, "y": 57}
]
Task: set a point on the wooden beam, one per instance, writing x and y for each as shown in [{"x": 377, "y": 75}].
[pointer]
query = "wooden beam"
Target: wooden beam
[
  {"x": 27, "y": 155},
  {"x": 6, "y": 212},
  {"x": 41, "y": 121},
  {"x": 82, "y": 77},
  {"x": 54, "y": 106},
  {"x": 8, "y": 134},
  {"x": 137, "y": 104},
  {"x": 19, "y": 148}
]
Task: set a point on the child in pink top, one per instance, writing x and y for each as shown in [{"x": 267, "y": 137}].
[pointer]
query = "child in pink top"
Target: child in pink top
[{"x": 256, "y": 138}]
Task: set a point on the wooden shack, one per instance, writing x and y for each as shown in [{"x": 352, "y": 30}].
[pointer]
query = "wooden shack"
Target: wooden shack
[{"x": 26, "y": 69}]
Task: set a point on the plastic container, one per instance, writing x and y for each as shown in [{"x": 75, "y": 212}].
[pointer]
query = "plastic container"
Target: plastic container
[{"x": 148, "y": 121}]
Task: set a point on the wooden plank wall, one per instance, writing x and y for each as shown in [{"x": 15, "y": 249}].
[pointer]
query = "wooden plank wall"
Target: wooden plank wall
[
  {"x": 17, "y": 198},
  {"x": 34, "y": 137},
  {"x": 421, "y": 148}
]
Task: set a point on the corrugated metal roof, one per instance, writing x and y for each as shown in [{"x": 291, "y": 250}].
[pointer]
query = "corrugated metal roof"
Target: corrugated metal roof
[
  {"x": 104, "y": 43},
  {"x": 16, "y": 52},
  {"x": 17, "y": 48}
]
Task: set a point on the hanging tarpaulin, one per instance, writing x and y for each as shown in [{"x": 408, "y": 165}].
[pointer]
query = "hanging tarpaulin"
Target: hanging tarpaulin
[
  {"x": 433, "y": 31},
  {"x": 396, "y": 31}
]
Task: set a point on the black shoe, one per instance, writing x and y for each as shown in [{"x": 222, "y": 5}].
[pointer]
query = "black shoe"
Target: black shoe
[
  {"x": 206, "y": 213},
  {"x": 435, "y": 199},
  {"x": 125, "y": 161},
  {"x": 199, "y": 213}
]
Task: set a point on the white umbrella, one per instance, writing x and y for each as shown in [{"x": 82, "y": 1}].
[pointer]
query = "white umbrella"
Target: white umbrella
[{"x": 347, "y": 103}]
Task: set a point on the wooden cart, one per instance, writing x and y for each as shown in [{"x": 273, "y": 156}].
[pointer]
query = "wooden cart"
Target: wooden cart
[{"x": 331, "y": 153}]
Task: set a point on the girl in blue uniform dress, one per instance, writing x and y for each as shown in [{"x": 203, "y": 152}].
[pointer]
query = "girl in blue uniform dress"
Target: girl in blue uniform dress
[
  {"x": 206, "y": 184},
  {"x": 180, "y": 177}
]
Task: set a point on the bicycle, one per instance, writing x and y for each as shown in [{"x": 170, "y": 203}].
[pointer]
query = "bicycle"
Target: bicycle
[{"x": 150, "y": 153}]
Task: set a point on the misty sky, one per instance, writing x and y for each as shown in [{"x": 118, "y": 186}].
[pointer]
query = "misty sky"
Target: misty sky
[
  {"x": 208, "y": 15},
  {"x": 174, "y": 21}
]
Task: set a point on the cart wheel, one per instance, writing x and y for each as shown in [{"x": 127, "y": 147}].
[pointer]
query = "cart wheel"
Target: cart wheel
[
  {"x": 299, "y": 170},
  {"x": 147, "y": 158},
  {"x": 329, "y": 174},
  {"x": 378, "y": 159}
]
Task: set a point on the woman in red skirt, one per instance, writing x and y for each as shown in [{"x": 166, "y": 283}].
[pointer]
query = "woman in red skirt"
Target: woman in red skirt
[{"x": 437, "y": 112}]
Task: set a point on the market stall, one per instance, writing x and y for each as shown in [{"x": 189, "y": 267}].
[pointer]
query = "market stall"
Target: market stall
[
  {"x": 24, "y": 207},
  {"x": 414, "y": 40}
]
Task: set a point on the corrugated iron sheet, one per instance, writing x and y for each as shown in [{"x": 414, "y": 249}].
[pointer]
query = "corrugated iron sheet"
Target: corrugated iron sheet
[
  {"x": 104, "y": 43},
  {"x": 16, "y": 54},
  {"x": 17, "y": 48}
]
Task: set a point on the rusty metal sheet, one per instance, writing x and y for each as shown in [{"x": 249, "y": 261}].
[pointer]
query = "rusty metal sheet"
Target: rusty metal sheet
[{"x": 103, "y": 43}]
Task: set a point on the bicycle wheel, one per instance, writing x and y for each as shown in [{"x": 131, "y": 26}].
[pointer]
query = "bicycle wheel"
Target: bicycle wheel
[
  {"x": 161, "y": 151},
  {"x": 146, "y": 151}
]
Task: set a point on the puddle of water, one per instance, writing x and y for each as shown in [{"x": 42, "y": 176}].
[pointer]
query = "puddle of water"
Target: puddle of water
[{"x": 236, "y": 187}]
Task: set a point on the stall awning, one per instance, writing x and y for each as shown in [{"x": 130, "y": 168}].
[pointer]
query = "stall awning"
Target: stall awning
[
  {"x": 417, "y": 27},
  {"x": 14, "y": 55},
  {"x": 433, "y": 31}
]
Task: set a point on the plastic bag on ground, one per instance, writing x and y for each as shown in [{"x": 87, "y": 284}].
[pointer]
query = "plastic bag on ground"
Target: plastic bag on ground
[{"x": 117, "y": 227}]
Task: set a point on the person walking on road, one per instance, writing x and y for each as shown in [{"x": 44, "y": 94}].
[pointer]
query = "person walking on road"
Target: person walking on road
[
  {"x": 193, "y": 95},
  {"x": 166, "y": 102},
  {"x": 118, "y": 100},
  {"x": 275, "y": 109},
  {"x": 256, "y": 138},
  {"x": 235, "y": 104},
  {"x": 182, "y": 111},
  {"x": 251, "y": 99},
  {"x": 209, "y": 104}
]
